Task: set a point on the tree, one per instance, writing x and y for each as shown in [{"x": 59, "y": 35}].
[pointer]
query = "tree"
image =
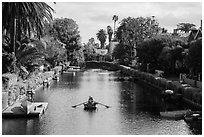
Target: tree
[
  {"x": 89, "y": 50},
  {"x": 28, "y": 55},
  {"x": 149, "y": 51},
  {"x": 122, "y": 52},
  {"x": 133, "y": 31},
  {"x": 185, "y": 27},
  {"x": 164, "y": 30},
  {"x": 55, "y": 50},
  {"x": 66, "y": 30},
  {"x": 101, "y": 35},
  {"x": 78, "y": 58},
  {"x": 22, "y": 19},
  {"x": 193, "y": 59},
  {"x": 115, "y": 18},
  {"x": 110, "y": 33}
]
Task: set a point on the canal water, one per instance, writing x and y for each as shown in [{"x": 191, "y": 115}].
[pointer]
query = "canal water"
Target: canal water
[{"x": 134, "y": 109}]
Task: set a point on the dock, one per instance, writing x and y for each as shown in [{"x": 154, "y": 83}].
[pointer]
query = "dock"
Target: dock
[{"x": 35, "y": 109}]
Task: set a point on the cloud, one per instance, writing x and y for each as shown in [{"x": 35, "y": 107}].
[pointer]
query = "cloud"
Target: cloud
[{"x": 92, "y": 16}]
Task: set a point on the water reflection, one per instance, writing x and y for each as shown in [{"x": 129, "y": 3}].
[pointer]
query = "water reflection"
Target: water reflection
[{"x": 134, "y": 109}]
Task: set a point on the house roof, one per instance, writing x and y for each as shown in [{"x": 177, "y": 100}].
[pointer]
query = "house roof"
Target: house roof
[{"x": 195, "y": 34}]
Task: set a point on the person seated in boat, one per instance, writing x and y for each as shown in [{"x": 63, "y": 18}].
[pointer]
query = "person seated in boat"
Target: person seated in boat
[{"x": 90, "y": 100}]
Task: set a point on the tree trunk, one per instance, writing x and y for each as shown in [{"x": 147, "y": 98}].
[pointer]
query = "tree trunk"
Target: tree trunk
[
  {"x": 114, "y": 30},
  {"x": 13, "y": 34},
  {"x": 13, "y": 39}
]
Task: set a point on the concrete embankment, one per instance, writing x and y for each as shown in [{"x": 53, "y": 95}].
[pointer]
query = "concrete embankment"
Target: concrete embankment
[
  {"x": 191, "y": 96},
  {"x": 12, "y": 89}
]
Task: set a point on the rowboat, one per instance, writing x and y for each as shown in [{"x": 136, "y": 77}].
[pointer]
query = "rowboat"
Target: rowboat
[
  {"x": 90, "y": 106},
  {"x": 178, "y": 114},
  {"x": 193, "y": 116}
]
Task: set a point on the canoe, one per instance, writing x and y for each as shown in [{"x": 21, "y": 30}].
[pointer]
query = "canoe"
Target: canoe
[
  {"x": 178, "y": 114},
  {"x": 193, "y": 116},
  {"x": 88, "y": 106}
]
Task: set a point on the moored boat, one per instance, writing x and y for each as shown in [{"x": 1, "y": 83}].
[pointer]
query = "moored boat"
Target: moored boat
[
  {"x": 178, "y": 114},
  {"x": 168, "y": 92},
  {"x": 193, "y": 116}
]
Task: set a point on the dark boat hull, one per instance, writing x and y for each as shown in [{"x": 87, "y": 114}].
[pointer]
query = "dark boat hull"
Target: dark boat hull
[
  {"x": 90, "y": 106},
  {"x": 193, "y": 116}
]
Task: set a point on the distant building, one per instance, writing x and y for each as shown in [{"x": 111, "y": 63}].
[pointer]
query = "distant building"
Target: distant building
[
  {"x": 195, "y": 34},
  {"x": 112, "y": 46}
]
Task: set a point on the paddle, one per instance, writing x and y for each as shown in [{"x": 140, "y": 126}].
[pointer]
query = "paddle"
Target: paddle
[
  {"x": 78, "y": 104},
  {"x": 103, "y": 105}
]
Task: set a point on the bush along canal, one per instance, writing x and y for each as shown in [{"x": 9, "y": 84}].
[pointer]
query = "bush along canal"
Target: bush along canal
[{"x": 135, "y": 99}]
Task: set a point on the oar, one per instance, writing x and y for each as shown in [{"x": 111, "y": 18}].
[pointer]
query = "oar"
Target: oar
[
  {"x": 78, "y": 104},
  {"x": 103, "y": 105}
]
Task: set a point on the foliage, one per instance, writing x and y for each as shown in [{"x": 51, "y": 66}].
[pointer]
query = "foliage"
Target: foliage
[
  {"x": 185, "y": 27},
  {"x": 135, "y": 30},
  {"x": 23, "y": 18},
  {"x": 7, "y": 59},
  {"x": 28, "y": 53},
  {"x": 194, "y": 56},
  {"x": 110, "y": 33},
  {"x": 101, "y": 35},
  {"x": 78, "y": 58},
  {"x": 149, "y": 51},
  {"x": 132, "y": 32},
  {"x": 115, "y": 18},
  {"x": 160, "y": 52},
  {"x": 89, "y": 50},
  {"x": 122, "y": 52},
  {"x": 55, "y": 50},
  {"x": 20, "y": 20},
  {"x": 66, "y": 30}
]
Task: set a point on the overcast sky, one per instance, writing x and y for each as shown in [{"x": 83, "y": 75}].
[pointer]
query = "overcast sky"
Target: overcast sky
[{"x": 92, "y": 16}]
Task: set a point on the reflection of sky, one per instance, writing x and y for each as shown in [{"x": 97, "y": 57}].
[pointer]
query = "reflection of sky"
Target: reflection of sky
[{"x": 123, "y": 116}]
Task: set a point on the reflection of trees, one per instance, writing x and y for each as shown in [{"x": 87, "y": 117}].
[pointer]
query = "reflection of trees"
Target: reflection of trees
[
  {"x": 27, "y": 126},
  {"x": 195, "y": 127},
  {"x": 70, "y": 80},
  {"x": 139, "y": 97}
]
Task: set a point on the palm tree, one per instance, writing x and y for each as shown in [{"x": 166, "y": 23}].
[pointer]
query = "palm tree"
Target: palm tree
[
  {"x": 186, "y": 27},
  {"x": 110, "y": 33},
  {"x": 101, "y": 35},
  {"x": 23, "y": 18},
  {"x": 115, "y": 18},
  {"x": 27, "y": 55}
]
